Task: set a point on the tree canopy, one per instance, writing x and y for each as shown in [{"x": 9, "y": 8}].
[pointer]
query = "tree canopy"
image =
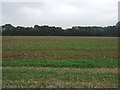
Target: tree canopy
[{"x": 10, "y": 30}]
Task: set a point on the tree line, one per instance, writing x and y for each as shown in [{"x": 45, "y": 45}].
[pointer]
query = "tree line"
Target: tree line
[{"x": 10, "y": 30}]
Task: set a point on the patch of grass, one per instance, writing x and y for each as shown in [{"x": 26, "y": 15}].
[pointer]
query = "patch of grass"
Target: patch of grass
[
  {"x": 43, "y": 62},
  {"x": 62, "y": 63},
  {"x": 35, "y": 78},
  {"x": 58, "y": 47}
]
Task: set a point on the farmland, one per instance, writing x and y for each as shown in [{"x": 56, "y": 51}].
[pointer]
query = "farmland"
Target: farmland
[{"x": 59, "y": 62}]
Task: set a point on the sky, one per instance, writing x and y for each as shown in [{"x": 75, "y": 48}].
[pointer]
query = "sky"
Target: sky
[{"x": 61, "y": 13}]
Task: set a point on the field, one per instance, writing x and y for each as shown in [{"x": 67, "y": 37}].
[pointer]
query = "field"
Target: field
[{"x": 59, "y": 62}]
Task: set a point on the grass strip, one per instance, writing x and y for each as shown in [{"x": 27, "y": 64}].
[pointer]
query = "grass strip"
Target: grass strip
[
  {"x": 62, "y": 63},
  {"x": 35, "y": 78}
]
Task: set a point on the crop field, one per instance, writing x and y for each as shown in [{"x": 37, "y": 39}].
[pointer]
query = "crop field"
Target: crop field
[{"x": 59, "y": 62}]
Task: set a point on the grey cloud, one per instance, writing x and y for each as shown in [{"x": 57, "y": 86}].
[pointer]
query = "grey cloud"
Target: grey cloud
[{"x": 60, "y": 13}]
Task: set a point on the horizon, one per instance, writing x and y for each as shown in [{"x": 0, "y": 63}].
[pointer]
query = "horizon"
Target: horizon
[{"x": 57, "y": 26}]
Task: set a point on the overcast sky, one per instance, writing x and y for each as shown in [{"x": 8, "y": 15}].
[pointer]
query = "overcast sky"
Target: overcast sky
[{"x": 63, "y": 13}]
